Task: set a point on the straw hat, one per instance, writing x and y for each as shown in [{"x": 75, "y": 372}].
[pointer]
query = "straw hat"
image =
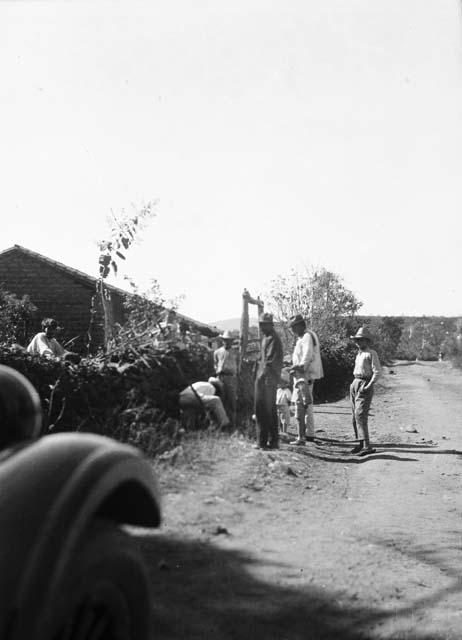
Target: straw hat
[
  {"x": 297, "y": 319},
  {"x": 362, "y": 334},
  {"x": 266, "y": 318},
  {"x": 226, "y": 335}
]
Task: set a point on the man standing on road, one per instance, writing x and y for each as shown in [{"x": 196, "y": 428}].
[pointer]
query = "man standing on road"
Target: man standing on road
[
  {"x": 306, "y": 368},
  {"x": 225, "y": 362},
  {"x": 366, "y": 372},
  {"x": 268, "y": 376}
]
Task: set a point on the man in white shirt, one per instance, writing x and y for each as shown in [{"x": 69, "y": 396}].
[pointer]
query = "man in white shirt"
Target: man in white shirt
[
  {"x": 206, "y": 395},
  {"x": 306, "y": 368},
  {"x": 225, "y": 362},
  {"x": 45, "y": 343},
  {"x": 366, "y": 372}
]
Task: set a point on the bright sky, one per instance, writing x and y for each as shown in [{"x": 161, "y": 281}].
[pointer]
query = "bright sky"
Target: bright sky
[{"x": 274, "y": 134}]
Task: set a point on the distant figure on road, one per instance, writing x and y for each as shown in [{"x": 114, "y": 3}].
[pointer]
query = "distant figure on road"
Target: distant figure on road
[
  {"x": 268, "y": 376},
  {"x": 225, "y": 362},
  {"x": 306, "y": 368},
  {"x": 45, "y": 343},
  {"x": 366, "y": 372},
  {"x": 206, "y": 395}
]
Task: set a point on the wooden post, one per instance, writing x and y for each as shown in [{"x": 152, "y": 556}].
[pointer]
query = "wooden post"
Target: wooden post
[
  {"x": 244, "y": 334},
  {"x": 106, "y": 302}
]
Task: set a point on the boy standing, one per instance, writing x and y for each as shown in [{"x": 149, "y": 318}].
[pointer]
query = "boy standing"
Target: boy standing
[{"x": 366, "y": 372}]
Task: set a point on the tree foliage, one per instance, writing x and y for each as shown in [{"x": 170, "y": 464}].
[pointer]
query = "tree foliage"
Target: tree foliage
[
  {"x": 16, "y": 315},
  {"x": 124, "y": 231},
  {"x": 321, "y": 297},
  {"x": 425, "y": 338}
]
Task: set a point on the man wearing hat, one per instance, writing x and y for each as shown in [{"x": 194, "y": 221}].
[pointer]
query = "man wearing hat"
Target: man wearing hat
[
  {"x": 45, "y": 343},
  {"x": 225, "y": 362},
  {"x": 268, "y": 376},
  {"x": 306, "y": 368},
  {"x": 366, "y": 372}
]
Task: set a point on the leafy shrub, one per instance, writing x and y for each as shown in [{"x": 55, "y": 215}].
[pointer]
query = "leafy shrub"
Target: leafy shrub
[
  {"x": 16, "y": 315},
  {"x": 131, "y": 396},
  {"x": 424, "y": 338},
  {"x": 338, "y": 361}
]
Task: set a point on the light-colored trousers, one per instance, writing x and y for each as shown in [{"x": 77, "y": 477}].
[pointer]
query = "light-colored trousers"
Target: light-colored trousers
[
  {"x": 302, "y": 397},
  {"x": 360, "y": 405},
  {"x": 212, "y": 404},
  {"x": 283, "y": 416}
]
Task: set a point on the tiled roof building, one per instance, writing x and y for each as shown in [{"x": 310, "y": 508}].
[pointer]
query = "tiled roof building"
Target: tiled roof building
[{"x": 66, "y": 294}]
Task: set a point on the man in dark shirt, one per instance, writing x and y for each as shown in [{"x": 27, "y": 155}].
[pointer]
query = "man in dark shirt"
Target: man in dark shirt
[{"x": 268, "y": 376}]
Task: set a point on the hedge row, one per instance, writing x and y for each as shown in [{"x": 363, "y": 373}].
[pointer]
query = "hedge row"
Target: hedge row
[{"x": 126, "y": 396}]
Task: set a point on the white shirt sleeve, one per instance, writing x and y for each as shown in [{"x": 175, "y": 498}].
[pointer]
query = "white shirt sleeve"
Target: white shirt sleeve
[
  {"x": 376, "y": 368},
  {"x": 42, "y": 346},
  {"x": 307, "y": 354}
]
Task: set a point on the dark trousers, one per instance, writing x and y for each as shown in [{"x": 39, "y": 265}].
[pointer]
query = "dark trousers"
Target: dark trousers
[
  {"x": 229, "y": 396},
  {"x": 266, "y": 413}
]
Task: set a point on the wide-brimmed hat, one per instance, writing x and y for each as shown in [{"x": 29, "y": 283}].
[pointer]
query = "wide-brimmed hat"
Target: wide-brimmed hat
[
  {"x": 297, "y": 319},
  {"x": 265, "y": 318},
  {"x": 362, "y": 334},
  {"x": 226, "y": 335}
]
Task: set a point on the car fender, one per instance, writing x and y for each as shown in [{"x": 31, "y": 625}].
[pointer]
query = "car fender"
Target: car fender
[{"x": 49, "y": 492}]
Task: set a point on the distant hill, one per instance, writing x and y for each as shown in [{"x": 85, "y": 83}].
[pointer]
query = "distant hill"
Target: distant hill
[{"x": 231, "y": 324}]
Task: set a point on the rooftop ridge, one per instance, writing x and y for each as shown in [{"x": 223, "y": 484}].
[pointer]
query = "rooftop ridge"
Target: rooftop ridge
[{"x": 82, "y": 276}]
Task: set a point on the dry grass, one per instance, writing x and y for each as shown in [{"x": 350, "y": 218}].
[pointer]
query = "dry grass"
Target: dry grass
[{"x": 198, "y": 453}]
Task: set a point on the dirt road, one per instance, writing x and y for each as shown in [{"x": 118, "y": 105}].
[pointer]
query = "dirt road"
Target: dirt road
[{"x": 318, "y": 543}]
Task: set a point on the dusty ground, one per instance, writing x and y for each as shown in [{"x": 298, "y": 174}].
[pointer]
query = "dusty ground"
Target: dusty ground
[{"x": 318, "y": 543}]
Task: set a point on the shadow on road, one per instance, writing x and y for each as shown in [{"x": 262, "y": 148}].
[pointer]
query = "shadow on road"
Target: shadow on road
[
  {"x": 378, "y": 446},
  {"x": 409, "y": 363},
  {"x": 447, "y": 559},
  {"x": 203, "y": 592},
  {"x": 414, "y": 448},
  {"x": 346, "y": 457}
]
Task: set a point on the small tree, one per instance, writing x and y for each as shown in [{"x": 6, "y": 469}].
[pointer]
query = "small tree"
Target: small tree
[
  {"x": 322, "y": 298},
  {"x": 124, "y": 231},
  {"x": 15, "y": 317}
]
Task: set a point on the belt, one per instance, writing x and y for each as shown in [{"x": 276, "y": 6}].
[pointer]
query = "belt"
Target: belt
[
  {"x": 362, "y": 378},
  {"x": 226, "y": 374}
]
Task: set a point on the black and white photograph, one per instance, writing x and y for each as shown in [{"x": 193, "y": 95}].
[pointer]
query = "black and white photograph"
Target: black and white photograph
[{"x": 230, "y": 320}]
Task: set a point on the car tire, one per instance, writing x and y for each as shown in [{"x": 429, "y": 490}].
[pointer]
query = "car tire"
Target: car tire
[{"x": 105, "y": 594}]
